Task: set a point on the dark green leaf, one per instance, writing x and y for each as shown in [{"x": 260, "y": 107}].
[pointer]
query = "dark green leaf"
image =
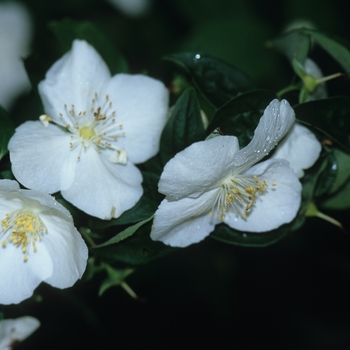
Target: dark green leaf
[
  {"x": 294, "y": 44},
  {"x": 329, "y": 116},
  {"x": 327, "y": 175},
  {"x": 68, "y": 30},
  {"x": 342, "y": 168},
  {"x": 124, "y": 234},
  {"x": 143, "y": 209},
  {"x": 138, "y": 249},
  {"x": 338, "y": 51},
  {"x": 184, "y": 126},
  {"x": 216, "y": 80},
  {"x": 229, "y": 235},
  {"x": 7, "y": 130},
  {"x": 339, "y": 200},
  {"x": 240, "y": 116}
]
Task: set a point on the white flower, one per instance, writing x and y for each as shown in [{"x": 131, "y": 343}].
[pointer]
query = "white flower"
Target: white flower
[
  {"x": 16, "y": 330},
  {"x": 213, "y": 181},
  {"x": 95, "y": 129},
  {"x": 38, "y": 243},
  {"x": 15, "y": 33},
  {"x": 132, "y": 8},
  {"x": 300, "y": 147}
]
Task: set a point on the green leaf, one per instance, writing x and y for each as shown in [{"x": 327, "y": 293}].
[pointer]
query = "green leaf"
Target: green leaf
[
  {"x": 184, "y": 127},
  {"x": 124, "y": 234},
  {"x": 329, "y": 116},
  {"x": 216, "y": 80},
  {"x": 294, "y": 44},
  {"x": 115, "y": 278},
  {"x": 339, "y": 200},
  {"x": 137, "y": 249},
  {"x": 240, "y": 116},
  {"x": 7, "y": 130},
  {"x": 68, "y": 30},
  {"x": 338, "y": 51},
  {"x": 229, "y": 235},
  {"x": 342, "y": 168}
]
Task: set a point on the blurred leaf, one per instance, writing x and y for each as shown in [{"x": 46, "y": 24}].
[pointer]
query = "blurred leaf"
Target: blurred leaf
[
  {"x": 327, "y": 176},
  {"x": 68, "y": 30},
  {"x": 184, "y": 127},
  {"x": 115, "y": 278},
  {"x": 294, "y": 44},
  {"x": 338, "y": 51},
  {"x": 329, "y": 116},
  {"x": 340, "y": 190},
  {"x": 7, "y": 130},
  {"x": 138, "y": 249},
  {"x": 216, "y": 80},
  {"x": 142, "y": 210},
  {"x": 339, "y": 200},
  {"x": 342, "y": 167},
  {"x": 240, "y": 116}
]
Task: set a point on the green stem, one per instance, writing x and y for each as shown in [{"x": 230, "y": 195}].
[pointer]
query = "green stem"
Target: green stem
[
  {"x": 287, "y": 89},
  {"x": 128, "y": 289},
  {"x": 85, "y": 233}
]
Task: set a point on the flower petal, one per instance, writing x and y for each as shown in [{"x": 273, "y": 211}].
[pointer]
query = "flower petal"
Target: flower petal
[
  {"x": 104, "y": 189},
  {"x": 277, "y": 206},
  {"x": 185, "y": 221},
  {"x": 16, "y": 330},
  {"x": 73, "y": 80},
  {"x": 41, "y": 158},
  {"x": 66, "y": 248},
  {"x": 198, "y": 168},
  {"x": 300, "y": 147},
  {"x": 277, "y": 119},
  {"x": 141, "y": 107}
]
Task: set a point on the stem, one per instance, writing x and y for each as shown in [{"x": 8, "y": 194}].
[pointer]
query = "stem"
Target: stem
[
  {"x": 85, "y": 233},
  {"x": 287, "y": 89},
  {"x": 128, "y": 289},
  {"x": 331, "y": 220},
  {"x": 329, "y": 77}
]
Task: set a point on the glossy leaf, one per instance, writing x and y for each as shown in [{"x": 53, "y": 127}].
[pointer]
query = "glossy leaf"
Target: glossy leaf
[
  {"x": 68, "y": 30},
  {"x": 184, "y": 127},
  {"x": 330, "y": 117},
  {"x": 240, "y": 116},
  {"x": 7, "y": 130},
  {"x": 229, "y": 235},
  {"x": 216, "y": 80}
]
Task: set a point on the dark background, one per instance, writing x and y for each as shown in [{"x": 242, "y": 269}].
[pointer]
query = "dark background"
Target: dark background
[{"x": 291, "y": 295}]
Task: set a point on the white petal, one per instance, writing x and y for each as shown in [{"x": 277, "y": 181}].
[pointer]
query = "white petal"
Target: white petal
[
  {"x": 15, "y": 34},
  {"x": 41, "y": 158},
  {"x": 184, "y": 222},
  {"x": 9, "y": 185},
  {"x": 277, "y": 206},
  {"x": 141, "y": 105},
  {"x": 104, "y": 189},
  {"x": 16, "y": 330},
  {"x": 132, "y": 8},
  {"x": 277, "y": 119},
  {"x": 66, "y": 248},
  {"x": 300, "y": 147},
  {"x": 73, "y": 80},
  {"x": 198, "y": 168}
]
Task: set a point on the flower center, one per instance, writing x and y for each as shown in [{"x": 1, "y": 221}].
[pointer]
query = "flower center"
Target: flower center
[
  {"x": 86, "y": 132},
  {"x": 238, "y": 193},
  {"x": 22, "y": 228},
  {"x": 96, "y": 128}
]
